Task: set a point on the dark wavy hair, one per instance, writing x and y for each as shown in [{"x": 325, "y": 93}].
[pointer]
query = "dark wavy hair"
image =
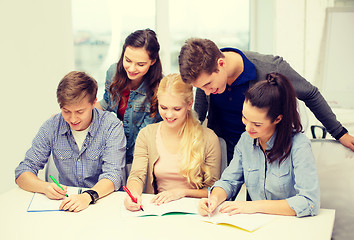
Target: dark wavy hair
[
  {"x": 277, "y": 95},
  {"x": 140, "y": 39}
]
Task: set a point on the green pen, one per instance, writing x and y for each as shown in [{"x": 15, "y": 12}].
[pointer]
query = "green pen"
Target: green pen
[{"x": 55, "y": 181}]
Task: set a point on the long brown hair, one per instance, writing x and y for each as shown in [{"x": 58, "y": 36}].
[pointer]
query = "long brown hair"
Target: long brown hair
[
  {"x": 140, "y": 39},
  {"x": 277, "y": 95}
]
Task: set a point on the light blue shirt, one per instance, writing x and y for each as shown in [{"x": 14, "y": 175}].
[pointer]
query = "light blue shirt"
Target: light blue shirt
[
  {"x": 102, "y": 154},
  {"x": 137, "y": 114},
  {"x": 295, "y": 180}
]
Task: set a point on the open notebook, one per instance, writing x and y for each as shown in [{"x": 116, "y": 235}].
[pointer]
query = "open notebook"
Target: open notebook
[
  {"x": 247, "y": 222},
  {"x": 181, "y": 206},
  {"x": 41, "y": 203}
]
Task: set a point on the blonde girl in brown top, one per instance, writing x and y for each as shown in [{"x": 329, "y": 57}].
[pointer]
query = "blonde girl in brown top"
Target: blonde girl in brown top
[{"x": 177, "y": 157}]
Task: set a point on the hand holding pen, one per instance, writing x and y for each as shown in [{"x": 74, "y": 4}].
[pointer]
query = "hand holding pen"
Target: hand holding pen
[
  {"x": 134, "y": 199},
  {"x": 55, "y": 190},
  {"x": 207, "y": 206}
]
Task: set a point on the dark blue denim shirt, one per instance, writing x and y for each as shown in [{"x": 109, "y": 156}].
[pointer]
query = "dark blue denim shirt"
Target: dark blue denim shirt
[{"x": 137, "y": 114}]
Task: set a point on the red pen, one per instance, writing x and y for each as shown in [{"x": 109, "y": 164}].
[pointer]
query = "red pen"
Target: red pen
[{"x": 131, "y": 196}]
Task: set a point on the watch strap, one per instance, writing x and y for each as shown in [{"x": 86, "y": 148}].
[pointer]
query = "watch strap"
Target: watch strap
[{"x": 93, "y": 194}]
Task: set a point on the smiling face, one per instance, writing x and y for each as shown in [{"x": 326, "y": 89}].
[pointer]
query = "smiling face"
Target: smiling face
[
  {"x": 136, "y": 62},
  {"x": 173, "y": 110},
  {"x": 257, "y": 123},
  {"x": 214, "y": 83},
  {"x": 78, "y": 115}
]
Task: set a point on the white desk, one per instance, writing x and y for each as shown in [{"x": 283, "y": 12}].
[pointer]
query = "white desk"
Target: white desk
[{"x": 104, "y": 221}]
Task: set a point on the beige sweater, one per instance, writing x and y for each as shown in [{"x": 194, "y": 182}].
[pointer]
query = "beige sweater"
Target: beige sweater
[{"x": 146, "y": 155}]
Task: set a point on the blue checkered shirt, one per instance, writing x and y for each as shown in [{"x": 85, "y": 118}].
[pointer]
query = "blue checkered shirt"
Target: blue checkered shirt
[{"x": 102, "y": 154}]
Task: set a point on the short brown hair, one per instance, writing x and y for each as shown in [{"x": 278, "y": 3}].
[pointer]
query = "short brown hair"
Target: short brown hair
[
  {"x": 198, "y": 55},
  {"x": 74, "y": 87}
]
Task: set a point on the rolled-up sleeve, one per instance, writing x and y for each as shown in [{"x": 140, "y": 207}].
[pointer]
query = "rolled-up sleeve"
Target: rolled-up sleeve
[{"x": 306, "y": 202}]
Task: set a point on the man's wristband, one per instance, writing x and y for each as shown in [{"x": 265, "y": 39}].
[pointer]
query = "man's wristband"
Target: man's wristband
[{"x": 93, "y": 194}]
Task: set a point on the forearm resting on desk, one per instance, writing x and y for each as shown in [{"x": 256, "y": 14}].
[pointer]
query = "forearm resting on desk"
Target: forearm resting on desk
[
  {"x": 175, "y": 194},
  {"x": 278, "y": 207},
  {"x": 79, "y": 202},
  {"x": 103, "y": 187},
  {"x": 30, "y": 182}
]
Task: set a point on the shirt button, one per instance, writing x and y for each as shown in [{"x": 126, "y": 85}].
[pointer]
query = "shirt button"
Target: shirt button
[
  {"x": 229, "y": 89},
  {"x": 230, "y": 98},
  {"x": 78, "y": 160}
]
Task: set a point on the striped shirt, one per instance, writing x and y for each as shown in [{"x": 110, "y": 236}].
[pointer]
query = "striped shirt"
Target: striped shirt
[{"x": 102, "y": 154}]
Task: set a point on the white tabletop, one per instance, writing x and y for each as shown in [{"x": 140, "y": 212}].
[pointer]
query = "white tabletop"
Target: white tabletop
[{"x": 105, "y": 221}]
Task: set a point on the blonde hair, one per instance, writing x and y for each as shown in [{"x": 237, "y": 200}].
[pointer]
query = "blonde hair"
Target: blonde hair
[{"x": 192, "y": 144}]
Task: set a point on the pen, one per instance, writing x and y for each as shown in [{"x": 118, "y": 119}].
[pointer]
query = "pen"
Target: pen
[
  {"x": 131, "y": 196},
  {"x": 209, "y": 201},
  {"x": 55, "y": 181}
]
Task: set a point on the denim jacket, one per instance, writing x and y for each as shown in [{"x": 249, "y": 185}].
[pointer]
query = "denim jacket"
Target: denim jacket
[
  {"x": 136, "y": 115},
  {"x": 294, "y": 180}
]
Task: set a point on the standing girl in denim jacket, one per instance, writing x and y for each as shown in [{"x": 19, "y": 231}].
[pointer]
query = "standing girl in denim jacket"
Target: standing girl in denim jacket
[
  {"x": 131, "y": 85},
  {"x": 273, "y": 158}
]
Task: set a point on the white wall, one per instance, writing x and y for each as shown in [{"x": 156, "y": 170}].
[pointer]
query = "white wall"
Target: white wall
[
  {"x": 295, "y": 31},
  {"x": 291, "y": 29},
  {"x": 36, "y": 52}
]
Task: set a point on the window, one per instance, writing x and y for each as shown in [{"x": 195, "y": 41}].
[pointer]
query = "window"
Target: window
[
  {"x": 101, "y": 26},
  {"x": 226, "y": 22}
]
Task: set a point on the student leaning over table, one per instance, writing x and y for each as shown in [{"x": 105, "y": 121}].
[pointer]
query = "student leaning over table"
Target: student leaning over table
[
  {"x": 222, "y": 77},
  {"x": 87, "y": 145},
  {"x": 177, "y": 157},
  {"x": 273, "y": 158}
]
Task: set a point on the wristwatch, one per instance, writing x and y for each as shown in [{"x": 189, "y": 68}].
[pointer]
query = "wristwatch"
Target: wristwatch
[{"x": 93, "y": 194}]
